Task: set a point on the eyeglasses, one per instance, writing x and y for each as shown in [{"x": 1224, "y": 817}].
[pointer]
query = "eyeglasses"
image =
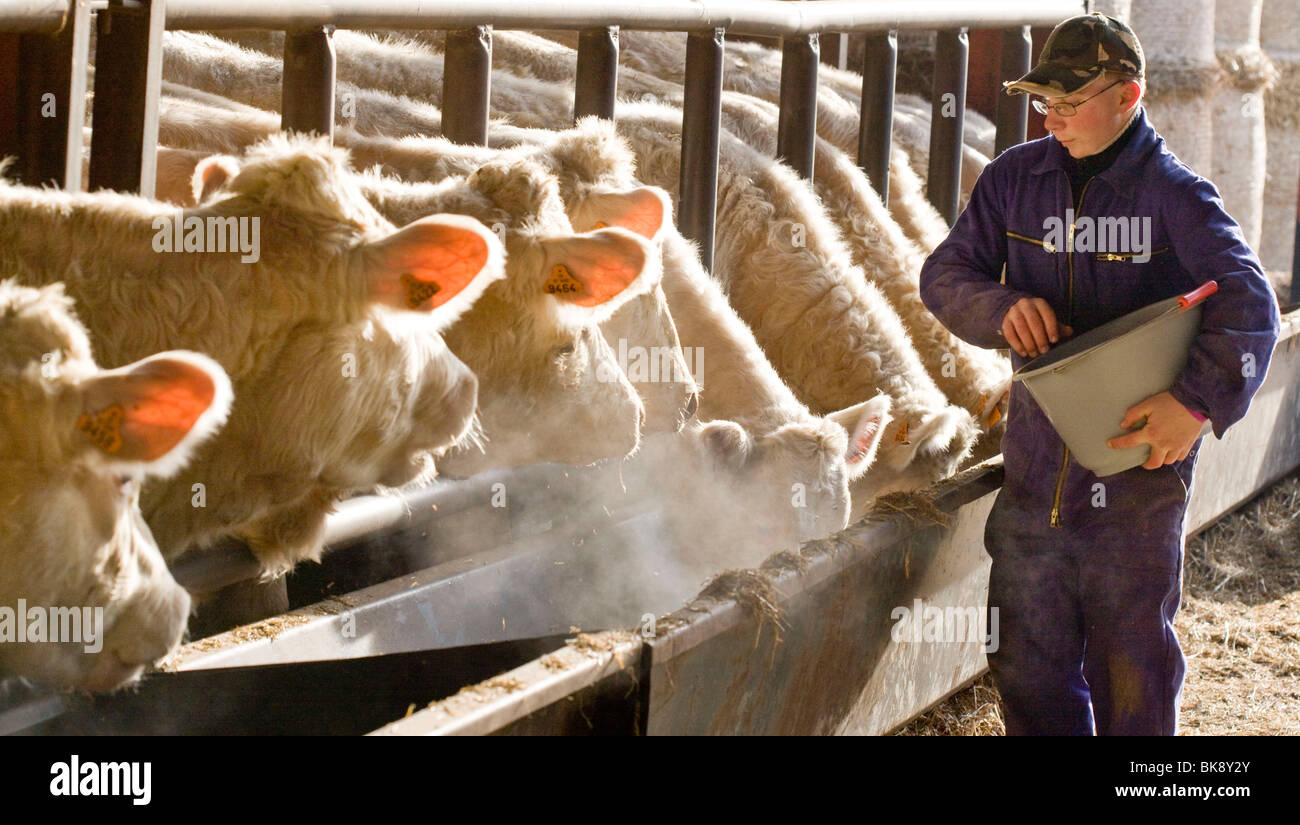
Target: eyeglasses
[{"x": 1067, "y": 109}]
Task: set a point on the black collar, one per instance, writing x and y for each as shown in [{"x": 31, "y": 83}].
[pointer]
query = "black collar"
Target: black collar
[
  {"x": 1123, "y": 172},
  {"x": 1093, "y": 165}
]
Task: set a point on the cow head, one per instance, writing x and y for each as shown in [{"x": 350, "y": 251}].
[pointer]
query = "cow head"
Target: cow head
[
  {"x": 550, "y": 386},
  {"x": 644, "y": 328},
  {"x": 75, "y": 442},
  {"x": 345, "y": 382}
]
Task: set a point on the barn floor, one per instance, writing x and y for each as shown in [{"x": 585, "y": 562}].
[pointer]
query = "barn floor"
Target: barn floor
[{"x": 1239, "y": 626}]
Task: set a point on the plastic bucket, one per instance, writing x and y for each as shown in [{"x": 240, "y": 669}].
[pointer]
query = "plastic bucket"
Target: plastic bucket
[{"x": 1086, "y": 384}]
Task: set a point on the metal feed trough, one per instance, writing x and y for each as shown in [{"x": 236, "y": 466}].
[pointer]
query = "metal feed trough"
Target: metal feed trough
[{"x": 422, "y": 595}]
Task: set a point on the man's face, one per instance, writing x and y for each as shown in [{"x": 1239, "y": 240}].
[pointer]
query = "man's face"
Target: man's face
[{"x": 1096, "y": 121}]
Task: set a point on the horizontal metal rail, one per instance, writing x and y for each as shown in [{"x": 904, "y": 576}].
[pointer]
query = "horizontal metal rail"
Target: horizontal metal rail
[
  {"x": 33, "y": 16},
  {"x": 125, "y": 159},
  {"x": 231, "y": 561},
  {"x": 770, "y": 18}
]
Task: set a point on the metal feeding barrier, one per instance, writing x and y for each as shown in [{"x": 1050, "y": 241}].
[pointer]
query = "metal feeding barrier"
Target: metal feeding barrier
[
  {"x": 430, "y": 615},
  {"x": 54, "y": 40}
]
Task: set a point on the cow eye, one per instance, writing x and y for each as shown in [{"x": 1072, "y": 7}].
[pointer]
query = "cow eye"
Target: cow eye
[{"x": 567, "y": 349}]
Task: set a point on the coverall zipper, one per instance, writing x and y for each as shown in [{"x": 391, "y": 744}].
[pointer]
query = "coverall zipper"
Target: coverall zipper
[
  {"x": 1124, "y": 256},
  {"x": 1045, "y": 244},
  {"x": 1069, "y": 315}
]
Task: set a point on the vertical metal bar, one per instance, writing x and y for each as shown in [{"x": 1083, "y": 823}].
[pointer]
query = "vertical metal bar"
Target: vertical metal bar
[
  {"x": 466, "y": 85},
  {"x": 701, "y": 121},
  {"x": 597, "y": 81},
  {"x": 79, "y": 59},
  {"x": 835, "y": 50},
  {"x": 1013, "y": 110},
  {"x": 307, "y": 90},
  {"x": 10, "y": 60},
  {"x": 796, "y": 131},
  {"x": 128, "y": 78},
  {"x": 47, "y": 102},
  {"x": 876, "y": 127},
  {"x": 947, "y": 117},
  {"x": 1295, "y": 254}
]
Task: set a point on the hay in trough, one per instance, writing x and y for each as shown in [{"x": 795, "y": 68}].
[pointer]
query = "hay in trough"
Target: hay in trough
[
  {"x": 753, "y": 591},
  {"x": 917, "y": 507},
  {"x": 786, "y": 560}
]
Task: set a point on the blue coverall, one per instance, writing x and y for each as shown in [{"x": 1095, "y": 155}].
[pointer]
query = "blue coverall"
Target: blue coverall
[{"x": 1087, "y": 579}]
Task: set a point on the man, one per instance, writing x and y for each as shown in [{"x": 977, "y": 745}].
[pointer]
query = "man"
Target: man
[{"x": 1087, "y": 572}]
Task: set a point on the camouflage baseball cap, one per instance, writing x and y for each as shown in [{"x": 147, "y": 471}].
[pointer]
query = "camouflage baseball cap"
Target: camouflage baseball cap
[{"x": 1076, "y": 52}]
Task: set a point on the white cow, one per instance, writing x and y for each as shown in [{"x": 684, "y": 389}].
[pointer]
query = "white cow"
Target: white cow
[
  {"x": 75, "y": 442},
  {"x": 550, "y": 381},
  {"x": 971, "y": 377},
  {"x": 781, "y": 472},
  {"x": 305, "y": 295},
  {"x": 640, "y": 332}
]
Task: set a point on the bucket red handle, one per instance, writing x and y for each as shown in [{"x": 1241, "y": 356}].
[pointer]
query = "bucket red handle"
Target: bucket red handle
[{"x": 1197, "y": 295}]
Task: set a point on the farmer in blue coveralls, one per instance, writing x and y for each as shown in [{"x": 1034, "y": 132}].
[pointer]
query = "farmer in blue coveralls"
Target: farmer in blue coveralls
[{"x": 1087, "y": 573}]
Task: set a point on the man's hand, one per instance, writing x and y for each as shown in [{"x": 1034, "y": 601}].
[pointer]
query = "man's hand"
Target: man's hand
[
  {"x": 1030, "y": 325},
  {"x": 1170, "y": 430}
]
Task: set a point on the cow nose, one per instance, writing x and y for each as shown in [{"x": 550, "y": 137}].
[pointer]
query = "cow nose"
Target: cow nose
[{"x": 692, "y": 404}]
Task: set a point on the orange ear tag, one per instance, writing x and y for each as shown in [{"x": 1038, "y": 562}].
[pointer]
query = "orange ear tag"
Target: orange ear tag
[
  {"x": 996, "y": 415},
  {"x": 601, "y": 225},
  {"x": 417, "y": 291},
  {"x": 901, "y": 435},
  {"x": 983, "y": 402},
  {"x": 104, "y": 427},
  {"x": 562, "y": 282}
]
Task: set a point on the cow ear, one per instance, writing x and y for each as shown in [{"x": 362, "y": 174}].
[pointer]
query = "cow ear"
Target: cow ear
[
  {"x": 441, "y": 263},
  {"x": 591, "y": 275},
  {"x": 865, "y": 423},
  {"x": 727, "y": 443},
  {"x": 148, "y": 417},
  {"x": 645, "y": 211},
  {"x": 210, "y": 175}
]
